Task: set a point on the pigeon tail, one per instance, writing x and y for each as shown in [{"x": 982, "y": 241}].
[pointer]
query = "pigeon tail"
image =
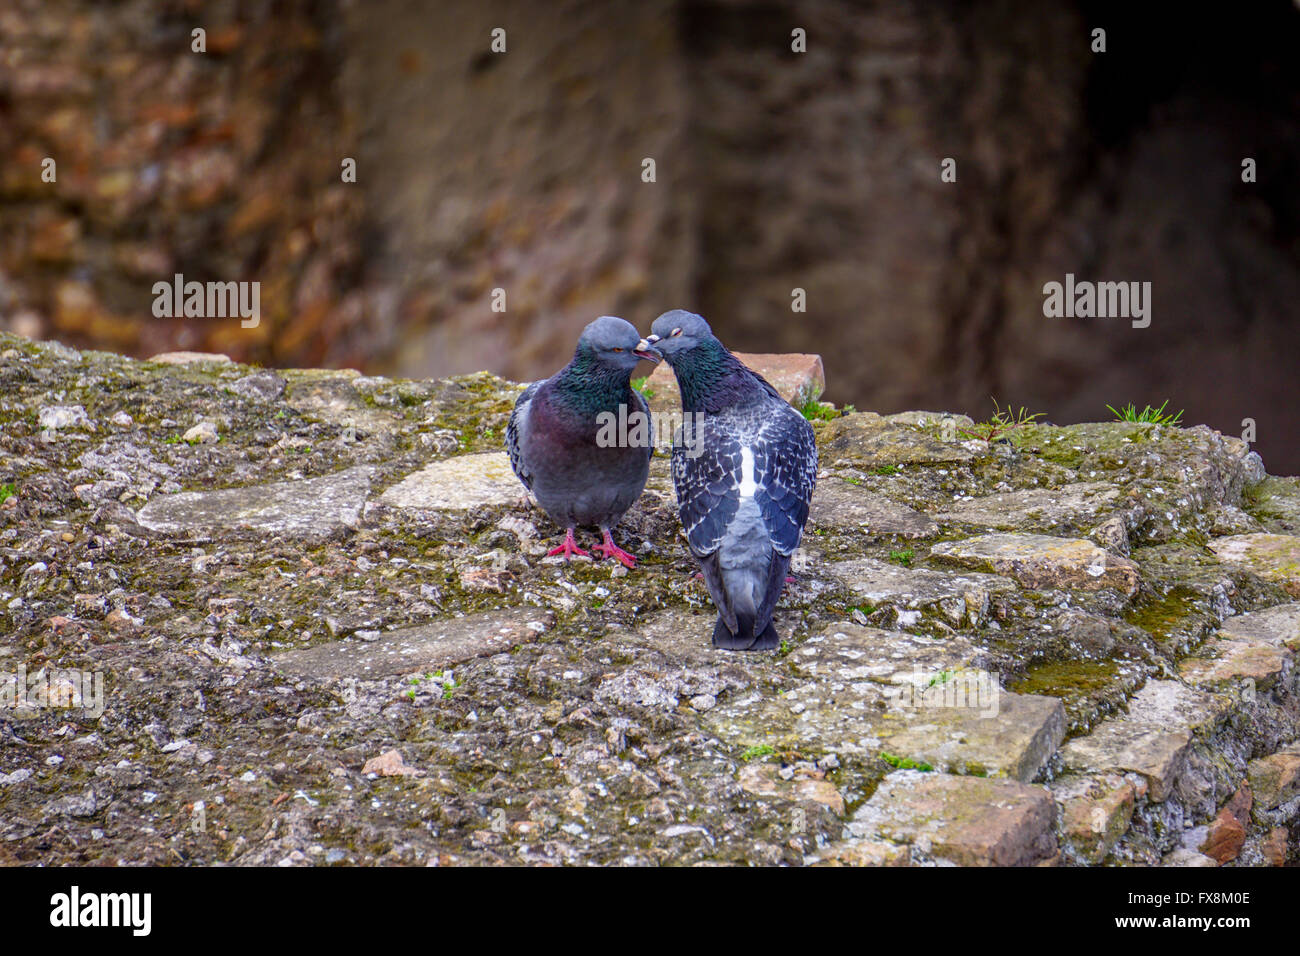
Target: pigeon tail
[{"x": 744, "y": 639}]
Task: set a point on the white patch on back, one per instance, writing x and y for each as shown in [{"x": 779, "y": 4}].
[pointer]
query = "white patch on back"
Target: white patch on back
[{"x": 747, "y": 485}]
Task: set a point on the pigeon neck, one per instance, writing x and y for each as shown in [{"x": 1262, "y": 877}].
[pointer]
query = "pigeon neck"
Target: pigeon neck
[
  {"x": 709, "y": 377},
  {"x": 592, "y": 385}
]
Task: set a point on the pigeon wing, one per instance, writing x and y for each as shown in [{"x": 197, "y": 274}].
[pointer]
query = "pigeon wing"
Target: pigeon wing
[
  {"x": 515, "y": 432},
  {"x": 785, "y": 472},
  {"x": 706, "y": 475}
]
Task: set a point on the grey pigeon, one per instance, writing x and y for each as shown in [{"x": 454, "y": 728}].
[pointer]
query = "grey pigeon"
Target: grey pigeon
[
  {"x": 576, "y": 442},
  {"x": 744, "y": 465}
]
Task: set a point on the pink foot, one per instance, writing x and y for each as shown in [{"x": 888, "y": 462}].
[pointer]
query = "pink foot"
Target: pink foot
[
  {"x": 569, "y": 548},
  {"x": 608, "y": 549}
]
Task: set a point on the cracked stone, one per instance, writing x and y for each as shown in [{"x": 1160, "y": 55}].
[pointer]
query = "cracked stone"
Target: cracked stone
[
  {"x": 309, "y": 507},
  {"x": 1042, "y": 561},
  {"x": 1080, "y": 506},
  {"x": 462, "y": 483},
  {"x": 1279, "y": 625},
  {"x": 1274, "y": 557},
  {"x": 970, "y": 821},
  {"x": 841, "y": 504},
  {"x": 1231, "y": 661},
  {"x": 761, "y": 779},
  {"x": 1096, "y": 811},
  {"x": 962, "y": 599},
  {"x": 425, "y": 647}
]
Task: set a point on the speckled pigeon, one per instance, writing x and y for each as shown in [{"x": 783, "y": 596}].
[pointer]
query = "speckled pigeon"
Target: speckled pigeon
[
  {"x": 584, "y": 466},
  {"x": 744, "y": 465}
]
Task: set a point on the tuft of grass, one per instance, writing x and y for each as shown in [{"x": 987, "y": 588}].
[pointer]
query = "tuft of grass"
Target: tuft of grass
[
  {"x": 1003, "y": 422},
  {"x": 640, "y": 386},
  {"x": 8, "y": 491},
  {"x": 753, "y": 753},
  {"x": 903, "y": 557},
  {"x": 886, "y": 470},
  {"x": 904, "y": 763},
  {"x": 816, "y": 411},
  {"x": 1155, "y": 416}
]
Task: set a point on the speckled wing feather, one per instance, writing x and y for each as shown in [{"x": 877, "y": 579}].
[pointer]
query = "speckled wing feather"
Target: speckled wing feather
[
  {"x": 707, "y": 485},
  {"x": 785, "y": 471},
  {"x": 514, "y": 434}
]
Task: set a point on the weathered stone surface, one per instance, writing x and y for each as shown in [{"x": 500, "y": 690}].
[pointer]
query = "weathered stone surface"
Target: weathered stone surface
[
  {"x": 865, "y": 853},
  {"x": 331, "y": 396},
  {"x": 841, "y": 504},
  {"x": 798, "y": 378},
  {"x": 1042, "y": 561},
  {"x": 308, "y": 507},
  {"x": 1274, "y": 846},
  {"x": 1275, "y": 779},
  {"x": 620, "y": 735},
  {"x": 1168, "y": 703},
  {"x": 762, "y": 780},
  {"x": 961, "y": 599},
  {"x": 434, "y": 646},
  {"x": 1275, "y": 557},
  {"x": 462, "y": 483},
  {"x": 910, "y": 697},
  {"x": 1276, "y": 503},
  {"x": 1225, "y": 662},
  {"x": 1189, "y": 858},
  {"x": 190, "y": 358},
  {"x": 869, "y": 441},
  {"x": 1095, "y": 812},
  {"x": 970, "y": 821},
  {"x": 1225, "y": 838},
  {"x": 1279, "y": 625},
  {"x": 997, "y": 735},
  {"x": 1077, "y": 506},
  {"x": 1158, "y": 754}
]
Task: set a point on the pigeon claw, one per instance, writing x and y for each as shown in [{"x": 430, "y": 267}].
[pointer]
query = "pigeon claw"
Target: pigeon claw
[
  {"x": 569, "y": 548},
  {"x": 608, "y": 549}
]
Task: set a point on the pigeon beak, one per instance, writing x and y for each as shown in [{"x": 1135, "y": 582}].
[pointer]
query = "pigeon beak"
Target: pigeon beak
[{"x": 644, "y": 349}]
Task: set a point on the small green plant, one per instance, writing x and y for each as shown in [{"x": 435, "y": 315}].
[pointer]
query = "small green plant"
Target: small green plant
[
  {"x": 7, "y": 491},
  {"x": 753, "y": 753},
  {"x": 853, "y": 481},
  {"x": 886, "y": 470},
  {"x": 1003, "y": 422},
  {"x": 904, "y": 763},
  {"x": 640, "y": 385},
  {"x": 816, "y": 411},
  {"x": 1155, "y": 416},
  {"x": 903, "y": 557},
  {"x": 940, "y": 678},
  {"x": 785, "y": 648}
]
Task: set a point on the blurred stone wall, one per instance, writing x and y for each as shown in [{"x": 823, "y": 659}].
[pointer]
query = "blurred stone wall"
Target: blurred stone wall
[
  {"x": 220, "y": 166},
  {"x": 774, "y": 171}
]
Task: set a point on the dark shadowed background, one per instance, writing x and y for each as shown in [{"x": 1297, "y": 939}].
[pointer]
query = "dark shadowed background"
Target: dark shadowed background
[{"x": 775, "y": 171}]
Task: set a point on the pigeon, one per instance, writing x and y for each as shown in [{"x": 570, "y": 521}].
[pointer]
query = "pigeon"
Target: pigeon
[
  {"x": 744, "y": 465},
  {"x": 576, "y": 441}
]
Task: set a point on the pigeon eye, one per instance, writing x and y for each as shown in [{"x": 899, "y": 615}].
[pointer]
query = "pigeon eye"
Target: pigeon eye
[
  {"x": 677, "y": 332},
  {"x": 618, "y": 348}
]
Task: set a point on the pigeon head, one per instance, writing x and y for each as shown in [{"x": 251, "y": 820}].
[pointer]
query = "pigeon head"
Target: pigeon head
[
  {"x": 615, "y": 342},
  {"x": 677, "y": 332}
]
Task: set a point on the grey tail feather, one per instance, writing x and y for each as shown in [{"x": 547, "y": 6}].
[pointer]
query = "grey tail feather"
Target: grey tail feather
[{"x": 744, "y": 639}]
